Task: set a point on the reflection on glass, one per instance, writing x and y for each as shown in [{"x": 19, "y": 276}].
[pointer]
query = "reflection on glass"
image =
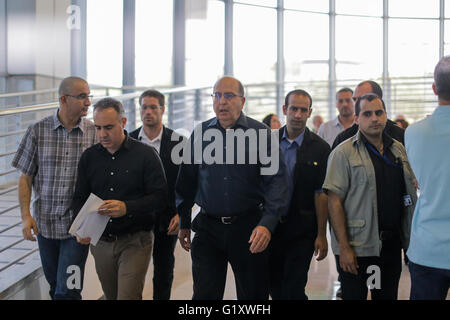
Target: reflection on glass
[
  {"x": 306, "y": 46},
  {"x": 414, "y": 8},
  {"x": 104, "y": 42},
  {"x": 447, "y": 38},
  {"x": 154, "y": 34},
  {"x": 366, "y": 7},
  {"x": 205, "y": 46},
  {"x": 415, "y": 52},
  {"x": 359, "y": 47},
  {"x": 254, "y": 49},
  {"x": 316, "y": 5}
]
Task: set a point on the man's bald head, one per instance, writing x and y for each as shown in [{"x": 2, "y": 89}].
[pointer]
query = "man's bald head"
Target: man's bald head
[
  {"x": 442, "y": 78},
  {"x": 67, "y": 85},
  {"x": 240, "y": 87}
]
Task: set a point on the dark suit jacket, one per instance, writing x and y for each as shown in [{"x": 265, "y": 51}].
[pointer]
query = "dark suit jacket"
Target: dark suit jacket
[
  {"x": 170, "y": 169},
  {"x": 392, "y": 130},
  {"x": 309, "y": 174}
]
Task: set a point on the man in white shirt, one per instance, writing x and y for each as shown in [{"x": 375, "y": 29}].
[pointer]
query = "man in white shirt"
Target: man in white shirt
[
  {"x": 344, "y": 103},
  {"x": 153, "y": 133}
]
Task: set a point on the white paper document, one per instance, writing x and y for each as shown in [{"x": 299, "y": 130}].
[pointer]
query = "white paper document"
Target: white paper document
[{"x": 88, "y": 223}]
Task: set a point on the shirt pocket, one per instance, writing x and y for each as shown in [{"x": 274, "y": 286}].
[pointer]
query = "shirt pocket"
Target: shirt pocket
[
  {"x": 358, "y": 173},
  {"x": 356, "y": 231}
]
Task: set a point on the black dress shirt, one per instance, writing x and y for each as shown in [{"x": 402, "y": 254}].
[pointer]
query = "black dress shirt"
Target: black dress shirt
[
  {"x": 133, "y": 174},
  {"x": 232, "y": 189},
  {"x": 391, "y": 129},
  {"x": 390, "y": 185}
]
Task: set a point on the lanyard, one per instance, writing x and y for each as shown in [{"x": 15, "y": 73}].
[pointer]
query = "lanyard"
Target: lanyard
[{"x": 384, "y": 157}]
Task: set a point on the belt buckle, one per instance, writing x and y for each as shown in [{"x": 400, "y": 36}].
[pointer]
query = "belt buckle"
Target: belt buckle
[{"x": 226, "y": 220}]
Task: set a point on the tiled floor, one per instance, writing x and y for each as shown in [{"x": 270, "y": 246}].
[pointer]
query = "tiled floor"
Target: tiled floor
[{"x": 321, "y": 284}]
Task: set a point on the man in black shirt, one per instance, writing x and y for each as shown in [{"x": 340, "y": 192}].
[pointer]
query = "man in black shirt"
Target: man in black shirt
[
  {"x": 391, "y": 128},
  {"x": 240, "y": 201},
  {"x": 129, "y": 177}
]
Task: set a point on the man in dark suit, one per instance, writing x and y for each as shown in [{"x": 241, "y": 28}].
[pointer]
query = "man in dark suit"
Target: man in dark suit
[
  {"x": 302, "y": 232},
  {"x": 153, "y": 133},
  {"x": 393, "y": 130}
]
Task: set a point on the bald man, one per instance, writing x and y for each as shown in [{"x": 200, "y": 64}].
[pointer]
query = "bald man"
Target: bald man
[{"x": 47, "y": 158}]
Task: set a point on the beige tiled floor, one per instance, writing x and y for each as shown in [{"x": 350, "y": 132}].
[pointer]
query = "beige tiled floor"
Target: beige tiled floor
[{"x": 321, "y": 284}]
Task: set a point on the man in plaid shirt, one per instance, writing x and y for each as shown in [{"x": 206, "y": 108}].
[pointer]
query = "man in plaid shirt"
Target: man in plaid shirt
[{"x": 47, "y": 158}]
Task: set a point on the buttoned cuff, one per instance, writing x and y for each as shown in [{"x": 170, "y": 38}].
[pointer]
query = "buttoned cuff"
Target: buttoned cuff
[{"x": 269, "y": 221}]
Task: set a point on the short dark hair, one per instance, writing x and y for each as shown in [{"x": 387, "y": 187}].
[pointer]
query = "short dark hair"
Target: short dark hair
[
  {"x": 344, "y": 90},
  {"x": 267, "y": 119},
  {"x": 106, "y": 103},
  {"x": 369, "y": 97},
  {"x": 298, "y": 92},
  {"x": 375, "y": 87},
  {"x": 153, "y": 93},
  {"x": 442, "y": 78},
  {"x": 66, "y": 85}
]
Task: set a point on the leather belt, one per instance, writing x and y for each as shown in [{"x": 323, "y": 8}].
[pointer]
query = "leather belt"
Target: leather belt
[
  {"x": 113, "y": 237},
  {"x": 227, "y": 219}
]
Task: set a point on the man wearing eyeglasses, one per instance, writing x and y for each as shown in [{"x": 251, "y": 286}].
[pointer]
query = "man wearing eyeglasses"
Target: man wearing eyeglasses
[
  {"x": 47, "y": 158},
  {"x": 371, "y": 199},
  {"x": 240, "y": 206},
  {"x": 163, "y": 139},
  {"x": 344, "y": 103}
]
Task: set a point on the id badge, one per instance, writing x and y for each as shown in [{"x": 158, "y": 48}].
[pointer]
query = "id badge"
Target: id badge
[{"x": 407, "y": 201}]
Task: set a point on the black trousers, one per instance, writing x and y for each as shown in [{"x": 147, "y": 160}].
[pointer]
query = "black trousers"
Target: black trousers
[
  {"x": 214, "y": 245},
  {"x": 289, "y": 263},
  {"x": 163, "y": 264},
  {"x": 355, "y": 287}
]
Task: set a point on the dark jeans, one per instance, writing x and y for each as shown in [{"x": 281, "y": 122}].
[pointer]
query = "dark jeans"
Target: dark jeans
[
  {"x": 58, "y": 257},
  {"x": 163, "y": 264},
  {"x": 428, "y": 283},
  {"x": 214, "y": 245},
  {"x": 355, "y": 287},
  {"x": 289, "y": 263}
]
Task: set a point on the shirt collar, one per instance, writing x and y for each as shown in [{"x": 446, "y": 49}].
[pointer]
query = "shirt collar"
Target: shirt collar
[
  {"x": 387, "y": 140},
  {"x": 125, "y": 144},
  {"x": 299, "y": 138},
  {"x": 241, "y": 122},
  {"x": 157, "y": 138},
  {"x": 57, "y": 123}
]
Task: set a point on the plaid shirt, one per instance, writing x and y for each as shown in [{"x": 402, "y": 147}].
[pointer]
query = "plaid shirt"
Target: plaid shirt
[{"x": 50, "y": 153}]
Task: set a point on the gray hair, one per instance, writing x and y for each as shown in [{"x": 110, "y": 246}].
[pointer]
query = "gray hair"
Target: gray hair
[
  {"x": 106, "y": 103},
  {"x": 442, "y": 78}
]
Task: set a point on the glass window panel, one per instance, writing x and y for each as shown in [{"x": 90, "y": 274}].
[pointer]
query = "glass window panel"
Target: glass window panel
[
  {"x": 205, "y": 66},
  {"x": 414, "y": 8},
  {"x": 447, "y": 38},
  {"x": 366, "y": 7},
  {"x": 359, "y": 47},
  {"x": 154, "y": 34},
  {"x": 105, "y": 42},
  {"x": 271, "y": 3},
  {"x": 255, "y": 44},
  {"x": 316, "y": 5},
  {"x": 306, "y": 53},
  {"x": 416, "y": 52},
  {"x": 447, "y": 8}
]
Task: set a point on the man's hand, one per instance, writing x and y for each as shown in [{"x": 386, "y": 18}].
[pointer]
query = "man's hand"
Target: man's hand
[
  {"x": 321, "y": 247},
  {"x": 84, "y": 241},
  {"x": 259, "y": 239},
  {"x": 113, "y": 208},
  {"x": 184, "y": 235},
  {"x": 347, "y": 260},
  {"x": 174, "y": 225},
  {"x": 28, "y": 224}
]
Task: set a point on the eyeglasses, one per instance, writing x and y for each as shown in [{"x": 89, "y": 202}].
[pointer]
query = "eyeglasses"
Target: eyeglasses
[
  {"x": 81, "y": 96},
  {"x": 226, "y": 95},
  {"x": 152, "y": 107}
]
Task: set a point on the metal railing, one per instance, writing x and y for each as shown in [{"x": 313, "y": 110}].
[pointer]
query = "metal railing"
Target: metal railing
[{"x": 186, "y": 106}]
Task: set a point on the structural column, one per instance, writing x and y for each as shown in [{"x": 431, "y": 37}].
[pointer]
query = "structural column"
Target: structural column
[
  {"x": 280, "y": 56},
  {"x": 386, "y": 78},
  {"x": 228, "y": 67},
  {"x": 78, "y": 51},
  {"x": 332, "y": 60},
  {"x": 128, "y": 63}
]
